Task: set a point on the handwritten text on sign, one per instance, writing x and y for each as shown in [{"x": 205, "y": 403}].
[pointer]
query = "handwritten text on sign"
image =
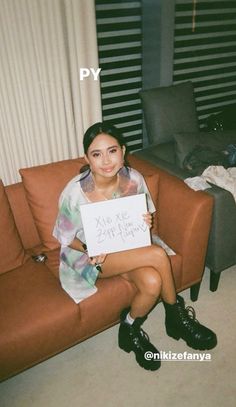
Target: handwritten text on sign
[{"x": 115, "y": 225}]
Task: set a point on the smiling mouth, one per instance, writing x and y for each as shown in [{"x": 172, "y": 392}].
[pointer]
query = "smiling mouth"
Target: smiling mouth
[{"x": 110, "y": 169}]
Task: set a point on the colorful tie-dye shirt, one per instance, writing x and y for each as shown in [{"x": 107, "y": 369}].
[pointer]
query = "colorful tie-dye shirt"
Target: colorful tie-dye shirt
[{"x": 77, "y": 275}]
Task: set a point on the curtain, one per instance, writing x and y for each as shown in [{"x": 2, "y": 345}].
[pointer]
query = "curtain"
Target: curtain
[{"x": 45, "y": 106}]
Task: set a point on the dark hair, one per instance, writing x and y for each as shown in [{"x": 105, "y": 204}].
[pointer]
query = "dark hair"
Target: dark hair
[{"x": 101, "y": 128}]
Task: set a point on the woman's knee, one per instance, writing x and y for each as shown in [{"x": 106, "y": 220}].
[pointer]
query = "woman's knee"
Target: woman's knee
[{"x": 149, "y": 281}]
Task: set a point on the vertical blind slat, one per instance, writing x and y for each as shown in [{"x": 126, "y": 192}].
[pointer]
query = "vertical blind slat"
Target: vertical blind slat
[
  {"x": 120, "y": 57},
  {"x": 205, "y": 52}
]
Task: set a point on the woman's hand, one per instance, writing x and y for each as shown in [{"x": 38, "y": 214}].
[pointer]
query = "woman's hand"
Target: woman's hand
[
  {"x": 98, "y": 259},
  {"x": 148, "y": 219}
]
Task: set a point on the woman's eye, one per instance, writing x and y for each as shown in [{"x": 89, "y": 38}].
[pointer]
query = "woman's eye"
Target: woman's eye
[
  {"x": 95, "y": 155},
  {"x": 113, "y": 150}
]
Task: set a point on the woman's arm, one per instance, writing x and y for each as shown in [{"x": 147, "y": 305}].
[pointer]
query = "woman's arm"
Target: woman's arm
[{"x": 76, "y": 244}]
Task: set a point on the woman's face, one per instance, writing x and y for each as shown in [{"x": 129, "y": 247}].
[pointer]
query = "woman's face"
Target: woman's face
[{"x": 105, "y": 156}]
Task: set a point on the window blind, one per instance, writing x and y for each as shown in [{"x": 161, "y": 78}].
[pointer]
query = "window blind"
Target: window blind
[
  {"x": 119, "y": 46},
  {"x": 205, "y": 52}
]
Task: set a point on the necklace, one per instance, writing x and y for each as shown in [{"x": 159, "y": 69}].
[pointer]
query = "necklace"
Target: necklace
[{"x": 110, "y": 192}]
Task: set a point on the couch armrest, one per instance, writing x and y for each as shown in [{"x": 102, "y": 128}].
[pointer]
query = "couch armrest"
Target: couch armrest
[
  {"x": 184, "y": 220},
  {"x": 146, "y": 154},
  {"x": 221, "y": 252},
  {"x": 184, "y": 223}
]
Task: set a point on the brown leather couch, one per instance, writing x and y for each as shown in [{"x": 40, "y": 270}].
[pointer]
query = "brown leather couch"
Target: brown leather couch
[{"x": 37, "y": 318}]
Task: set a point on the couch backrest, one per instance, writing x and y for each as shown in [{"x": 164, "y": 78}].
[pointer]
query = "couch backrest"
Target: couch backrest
[
  {"x": 34, "y": 202},
  {"x": 43, "y": 186},
  {"x": 22, "y": 215},
  {"x": 12, "y": 253},
  {"x": 169, "y": 110}
]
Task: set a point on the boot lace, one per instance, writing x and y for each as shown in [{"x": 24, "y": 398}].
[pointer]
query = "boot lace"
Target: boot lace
[
  {"x": 191, "y": 313},
  {"x": 188, "y": 315},
  {"x": 139, "y": 336}
]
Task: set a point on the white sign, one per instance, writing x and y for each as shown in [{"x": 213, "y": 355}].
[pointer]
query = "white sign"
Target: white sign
[{"x": 115, "y": 225}]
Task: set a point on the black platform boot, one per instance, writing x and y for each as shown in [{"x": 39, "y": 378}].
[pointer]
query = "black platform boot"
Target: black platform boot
[
  {"x": 133, "y": 338},
  {"x": 181, "y": 323}
]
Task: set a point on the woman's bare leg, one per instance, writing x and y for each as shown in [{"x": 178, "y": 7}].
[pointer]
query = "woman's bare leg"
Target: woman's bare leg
[
  {"x": 149, "y": 269},
  {"x": 148, "y": 283}
]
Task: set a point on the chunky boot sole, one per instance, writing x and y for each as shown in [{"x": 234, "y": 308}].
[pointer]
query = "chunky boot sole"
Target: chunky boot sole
[
  {"x": 197, "y": 346},
  {"x": 155, "y": 365},
  {"x": 145, "y": 364}
]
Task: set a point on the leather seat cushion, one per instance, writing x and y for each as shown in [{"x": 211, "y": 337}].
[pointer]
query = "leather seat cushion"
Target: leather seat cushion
[{"x": 37, "y": 318}]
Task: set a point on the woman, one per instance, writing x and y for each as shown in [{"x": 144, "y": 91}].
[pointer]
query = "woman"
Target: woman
[{"x": 107, "y": 176}]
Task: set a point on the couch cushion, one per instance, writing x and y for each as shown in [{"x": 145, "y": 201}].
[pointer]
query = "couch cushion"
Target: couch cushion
[
  {"x": 43, "y": 185},
  {"x": 37, "y": 317},
  {"x": 168, "y": 110},
  {"x": 185, "y": 142},
  {"x": 12, "y": 252},
  {"x": 22, "y": 215}
]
